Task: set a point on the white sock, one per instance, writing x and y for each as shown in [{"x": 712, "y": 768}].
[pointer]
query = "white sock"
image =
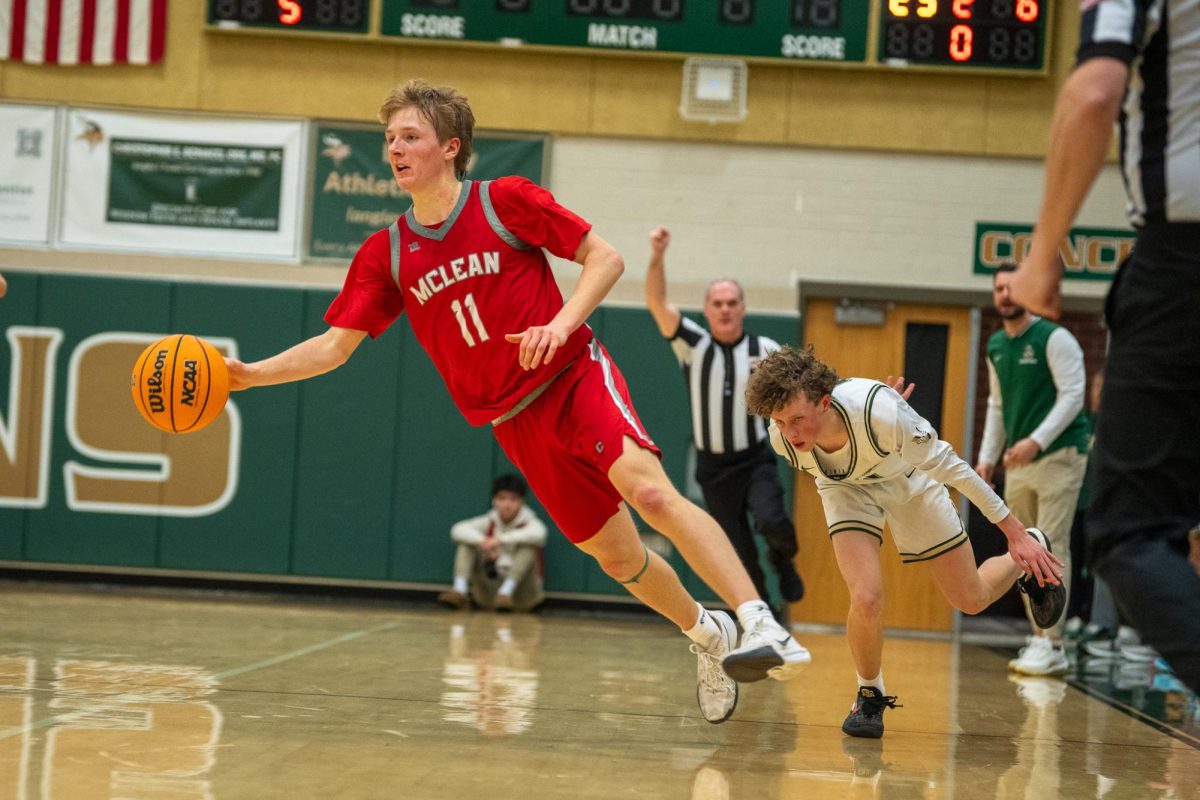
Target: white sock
[
  {"x": 460, "y": 584},
  {"x": 876, "y": 682},
  {"x": 705, "y": 631},
  {"x": 508, "y": 587},
  {"x": 753, "y": 611}
]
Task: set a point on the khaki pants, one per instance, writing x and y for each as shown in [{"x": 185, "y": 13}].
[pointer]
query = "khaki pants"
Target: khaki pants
[
  {"x": 522, "y": 568},
  {"x": 1044, "y": 495}
]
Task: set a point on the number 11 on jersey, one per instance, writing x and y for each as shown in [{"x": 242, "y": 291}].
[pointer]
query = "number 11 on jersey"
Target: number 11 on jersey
[{"x": 457, "y": 308}]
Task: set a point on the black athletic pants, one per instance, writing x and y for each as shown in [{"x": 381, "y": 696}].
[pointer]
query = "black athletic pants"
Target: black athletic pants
[
  {"x": 745, "y": 484},
  {"x": 1147, "y": 451}
]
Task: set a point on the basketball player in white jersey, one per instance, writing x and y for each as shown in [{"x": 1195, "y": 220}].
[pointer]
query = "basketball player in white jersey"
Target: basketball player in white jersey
[{"x": 875, "y": 459}]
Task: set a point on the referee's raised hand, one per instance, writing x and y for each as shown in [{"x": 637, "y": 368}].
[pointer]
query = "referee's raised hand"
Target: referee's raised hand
[{"x": 660, "y": 238}]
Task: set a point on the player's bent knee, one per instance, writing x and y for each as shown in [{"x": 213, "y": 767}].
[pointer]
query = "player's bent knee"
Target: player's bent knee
[
  {"x": 969, "y": 604},
  {"x": 651, "y": 500}
]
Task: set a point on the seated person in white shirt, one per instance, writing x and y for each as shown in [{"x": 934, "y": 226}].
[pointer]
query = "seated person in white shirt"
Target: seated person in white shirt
[
  {"x": 875, "y": 460},
  {"x": 497, "y": 563}
]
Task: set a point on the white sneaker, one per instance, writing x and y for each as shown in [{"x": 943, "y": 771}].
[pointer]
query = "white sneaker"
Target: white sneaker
[
  {"x": 1127, "y": 635},
  {"x": 1012, "y": 662},
  {"x": 716, "y": 692},
  {"x": 1103, "y": 650},
  {"x": 1041, "y": 657},
  {"x": 1138, "y": 652},
  {"x": 766, "y": 651}
]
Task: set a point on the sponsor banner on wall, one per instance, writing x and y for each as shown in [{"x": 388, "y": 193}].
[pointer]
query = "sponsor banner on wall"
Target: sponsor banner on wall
[
  {"x": 1087, "y": 253},
  {"x": 198, "y": 185},
  {"x": 354, "y": 193},
  {"x": 26, "y": 172}
]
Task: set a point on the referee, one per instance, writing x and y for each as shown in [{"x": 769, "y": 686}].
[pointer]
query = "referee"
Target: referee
[
  {"x": 1138, "y": 60},
  {"x": 735, "y": 467}
]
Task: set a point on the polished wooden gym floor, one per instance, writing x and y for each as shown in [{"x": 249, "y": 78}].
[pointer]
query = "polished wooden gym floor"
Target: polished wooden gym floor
[{"x": 187, "y": 696}]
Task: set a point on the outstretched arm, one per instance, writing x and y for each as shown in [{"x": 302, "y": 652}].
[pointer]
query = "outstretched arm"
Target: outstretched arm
[
  {"x": 666, "y": 316},
  {"x": 602, "y": 266},
  {"x": 314, "y": 356},
  {"x": 899, "y": 428},
  {"x": 1080, "y": 132}
]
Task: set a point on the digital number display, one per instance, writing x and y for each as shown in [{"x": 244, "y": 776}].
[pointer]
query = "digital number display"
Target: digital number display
[
  {"x": 1007, "y": 34},
  {"x": 796, "y": 30},
  {"x": 627, "y": 9},
  {"x": 328, "y": 16}
]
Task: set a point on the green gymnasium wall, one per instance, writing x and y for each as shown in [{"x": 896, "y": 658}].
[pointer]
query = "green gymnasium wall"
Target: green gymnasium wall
[{"x": 354, "y": 475}]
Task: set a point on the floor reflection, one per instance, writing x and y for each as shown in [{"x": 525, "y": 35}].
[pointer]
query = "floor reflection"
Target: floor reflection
[
  {"x": 134, "y": 698},
  {"x": 490, "y": 680},
  {"x": 107, "y": 729}
]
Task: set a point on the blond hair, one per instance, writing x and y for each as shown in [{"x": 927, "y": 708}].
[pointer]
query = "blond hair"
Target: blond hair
[{"x": 442, "y": 107}]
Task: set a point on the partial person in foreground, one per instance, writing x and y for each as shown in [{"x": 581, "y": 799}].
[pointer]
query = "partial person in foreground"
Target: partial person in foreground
[
  {"x": 734, "y": 466},
  {"x": 876, "y": 460},
  {"x": 1035, "y": 421},
  {"x": 497, "y": 555},
  {"x": 466, "y": 263},
  {"x": 1137, "y": 63}
]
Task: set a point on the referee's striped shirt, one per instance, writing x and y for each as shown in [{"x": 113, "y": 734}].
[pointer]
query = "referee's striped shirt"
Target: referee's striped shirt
[
  {"x": 1160, "y": 119},
  {"x": 716, "y": 379}
]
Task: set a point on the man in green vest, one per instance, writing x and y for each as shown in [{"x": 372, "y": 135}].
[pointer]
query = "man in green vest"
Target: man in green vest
[{"x": 1035, "y": 420}]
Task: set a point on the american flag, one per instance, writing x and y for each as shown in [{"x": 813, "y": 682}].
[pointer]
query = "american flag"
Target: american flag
[{"x": 83, "y": 31}]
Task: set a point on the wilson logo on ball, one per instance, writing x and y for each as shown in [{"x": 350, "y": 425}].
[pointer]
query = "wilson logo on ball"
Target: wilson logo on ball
[{"x": 180, "y": 383}]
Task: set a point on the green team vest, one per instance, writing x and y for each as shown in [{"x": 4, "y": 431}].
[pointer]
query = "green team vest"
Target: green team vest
[{"x": 1027, "y": 387}]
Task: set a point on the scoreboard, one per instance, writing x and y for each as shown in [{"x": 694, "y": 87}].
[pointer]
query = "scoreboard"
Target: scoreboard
[
  {"x": 300, "y": 16},
  {"x": 942, "y": 35},
  {"x": 821, "y": 30},
  {"x": 1006, "y": 34}
]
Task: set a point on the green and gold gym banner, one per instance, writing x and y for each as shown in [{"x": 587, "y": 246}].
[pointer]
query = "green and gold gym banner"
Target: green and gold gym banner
[
  {"x": 1087, "y": 253},
  {"x": 354, "y": 193},
  {"x": 194, "y": 184},
  {"x": 205, "y": 186}
]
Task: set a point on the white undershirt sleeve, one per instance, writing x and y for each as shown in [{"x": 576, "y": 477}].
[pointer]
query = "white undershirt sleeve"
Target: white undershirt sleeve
[
  {"x": 470, "y": 531},
  {"x": 992, "y": 444}
]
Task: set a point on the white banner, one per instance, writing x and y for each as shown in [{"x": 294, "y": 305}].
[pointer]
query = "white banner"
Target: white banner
[
  {"x": 191, "y": 185},
  {"x": 26, "y": 173}
]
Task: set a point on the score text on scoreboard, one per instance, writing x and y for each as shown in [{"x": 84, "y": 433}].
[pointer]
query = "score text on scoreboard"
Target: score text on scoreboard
[
  {"x": 302, "y": 16},
  {"x": 992, "y": 34},
  {"x": 808, "y": 30}
]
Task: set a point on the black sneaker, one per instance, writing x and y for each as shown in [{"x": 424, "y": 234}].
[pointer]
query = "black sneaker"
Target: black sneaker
[
  {"x": 791, "y": 585},
  {"x": 1046, "y": 603},
  {"x": 866, "y": 717}
]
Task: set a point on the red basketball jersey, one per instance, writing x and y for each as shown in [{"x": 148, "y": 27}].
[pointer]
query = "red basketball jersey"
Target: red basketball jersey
[{"x": 465, "y": 284}]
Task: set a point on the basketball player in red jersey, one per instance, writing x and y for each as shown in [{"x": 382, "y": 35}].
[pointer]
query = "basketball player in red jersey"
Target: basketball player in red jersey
[{"x": 466, "y": 263}]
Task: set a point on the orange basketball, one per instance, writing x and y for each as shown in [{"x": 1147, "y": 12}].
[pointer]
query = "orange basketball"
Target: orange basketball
[{"x": 180, "y": 383}]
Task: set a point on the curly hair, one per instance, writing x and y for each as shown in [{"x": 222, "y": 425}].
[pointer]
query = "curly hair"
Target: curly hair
[
  {"x": 444, "y": 108},
  {"x": 785, "y": 374}
]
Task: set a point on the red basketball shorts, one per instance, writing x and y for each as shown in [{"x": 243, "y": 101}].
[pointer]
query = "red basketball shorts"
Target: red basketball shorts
[{"x": 566, "y": 440}]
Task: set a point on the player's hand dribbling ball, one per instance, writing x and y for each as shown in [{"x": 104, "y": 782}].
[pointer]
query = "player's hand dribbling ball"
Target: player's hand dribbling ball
[{"x": 180, "y": 383}]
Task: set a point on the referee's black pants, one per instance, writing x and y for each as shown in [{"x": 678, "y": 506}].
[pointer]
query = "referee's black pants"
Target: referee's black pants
[
  {"x": 1147, "y": 452},
  {"x": 745, "y": 484}
]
